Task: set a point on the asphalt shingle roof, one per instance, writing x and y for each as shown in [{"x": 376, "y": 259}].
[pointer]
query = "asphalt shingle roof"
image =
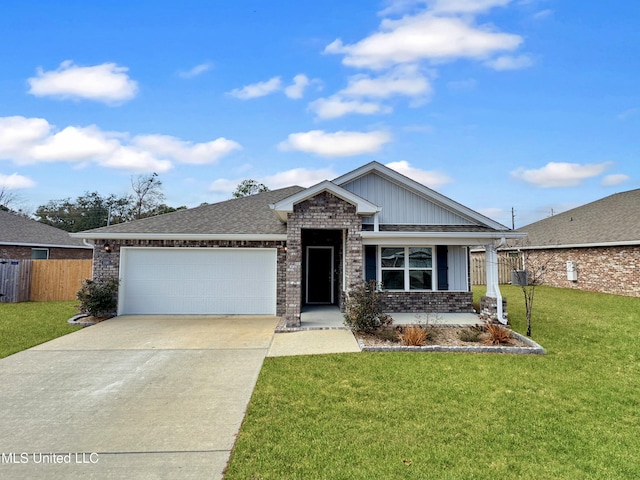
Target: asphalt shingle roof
[
  {"x": 18, "y": 229},
  {"x": 245, "y": 215},
  {"x": 615, "y": 218}
]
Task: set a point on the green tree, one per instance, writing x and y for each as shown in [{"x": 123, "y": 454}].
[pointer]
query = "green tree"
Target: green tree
[{"x": 249, "y": 187}]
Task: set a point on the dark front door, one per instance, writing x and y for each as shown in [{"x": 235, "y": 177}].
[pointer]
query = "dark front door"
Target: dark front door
[{"x": 319, "y": 274}]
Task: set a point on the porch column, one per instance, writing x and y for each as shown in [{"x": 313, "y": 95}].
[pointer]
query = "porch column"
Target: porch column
[{"x": 493, "y": 288}]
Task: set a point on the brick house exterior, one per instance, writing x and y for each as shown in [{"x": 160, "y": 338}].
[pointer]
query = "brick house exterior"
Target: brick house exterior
[
  {"x": 372, "y": 223},
  {"x": 599, "y": 241},
  {"x": 23, "y": 239}
]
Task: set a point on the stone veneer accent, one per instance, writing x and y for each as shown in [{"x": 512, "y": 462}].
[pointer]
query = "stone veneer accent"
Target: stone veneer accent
[
  {"x": 614, "y": 270},
  {"x": 323, "y": 211},
  {"x": 427, "y": 302},
  {"x": 107, "y": 265}
]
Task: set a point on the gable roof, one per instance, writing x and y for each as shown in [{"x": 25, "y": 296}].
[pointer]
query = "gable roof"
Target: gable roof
[
  {"x": 18, "y": 230},
  {"x": 609, "y": 221},
  {"x": 421, "y": 190},
  {"x": 237, "y": 217},
  {"x": 285, "y": 206}
]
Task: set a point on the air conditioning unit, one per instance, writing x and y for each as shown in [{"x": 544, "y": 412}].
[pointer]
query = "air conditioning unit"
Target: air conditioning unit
[{"x": 520, "y": 278}]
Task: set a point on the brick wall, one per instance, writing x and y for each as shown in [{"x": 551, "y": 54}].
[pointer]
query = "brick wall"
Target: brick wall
[
  {"x": 107, "y": 265},
  {"x": 428, "y": 302},
  {"x": 324, "y": 211},
  {"x": 16, "y": 252},
  {"x": 614, "y": 270}
]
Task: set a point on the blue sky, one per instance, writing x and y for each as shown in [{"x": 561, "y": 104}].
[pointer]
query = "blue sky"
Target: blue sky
[{"x": 530, "y": 104}]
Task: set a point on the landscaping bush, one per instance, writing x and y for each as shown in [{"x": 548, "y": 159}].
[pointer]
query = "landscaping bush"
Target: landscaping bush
[
  {"x": 415, "y": 335},
  {"x": 471, "y": 334},
  {"x": 496, "y": 334},
  {"x": 98, "y": 299},
  {"x": 364, "y": 309}
]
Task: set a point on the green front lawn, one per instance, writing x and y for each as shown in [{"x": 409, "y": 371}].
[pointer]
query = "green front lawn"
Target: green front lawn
[
  {"x": 23, "y": 325},
  {"x": 574, "y": 413}
]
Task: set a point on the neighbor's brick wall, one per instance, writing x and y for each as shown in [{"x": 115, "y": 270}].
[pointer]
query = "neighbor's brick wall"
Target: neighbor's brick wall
[
  {"x": 322, "y": 211},
  {"x": 107, "y": 265},
  {"x": 15, "y": 252},
  {"x": 428, "y": 302},
  {"x": 614, "y": 270}
]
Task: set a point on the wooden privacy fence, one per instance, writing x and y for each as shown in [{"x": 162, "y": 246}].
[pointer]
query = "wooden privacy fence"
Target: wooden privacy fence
[
  {"x": 42, "y": 280},
  {"x": 479, "y": 271}
]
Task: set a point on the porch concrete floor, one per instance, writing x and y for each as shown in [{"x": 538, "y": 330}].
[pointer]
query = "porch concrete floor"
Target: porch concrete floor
[{"x": 330, "y": 316}]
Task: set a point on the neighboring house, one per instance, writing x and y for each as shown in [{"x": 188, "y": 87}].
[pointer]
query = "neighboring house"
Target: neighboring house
[
  {"x": 594, "y": 247},
  {"x": 22, "y": 238},
  {"x": 275, "y": 252}
]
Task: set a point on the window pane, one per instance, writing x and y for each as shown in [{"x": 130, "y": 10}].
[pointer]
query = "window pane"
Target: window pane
[
  {"x": 393, "y": 279},
  {"x": 420, "y": 279},
  {"x": 39, "y": 254},
  {"x": 392, "y": 257},
  {"x": 420, "y": 257}
]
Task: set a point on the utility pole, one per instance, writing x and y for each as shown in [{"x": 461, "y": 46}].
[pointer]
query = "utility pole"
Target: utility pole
[{"x": 513, "y": 219}]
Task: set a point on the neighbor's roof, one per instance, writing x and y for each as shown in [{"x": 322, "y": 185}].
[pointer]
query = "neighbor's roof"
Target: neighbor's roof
[
  {"x": 249, "y": 215},
  {"x": 21, "y": 231},
  {"x": 608, "y": 221}
]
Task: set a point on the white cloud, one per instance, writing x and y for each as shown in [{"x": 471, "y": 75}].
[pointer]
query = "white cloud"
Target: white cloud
[
  {"x": 197, "y": 70},
  {"x": 337, "y": 106},
  {"x": 615, "y": 179},
  {"x": 303, "y": 177},
  {"x": 431, "y": 179},
  {"x": 508, "y": 62},
  {"x": 15, "y": 182},
  {"x": 186, "y": 152},
  {"x": 256, "y": 90},
  {"x": 425, "y": 36},
  {"x": 466, "y": 6},
  {"x": 33, "y": 140},
  {"x": 629, "y": 113},
  {"x": 296, "y": 89},
  {"x": 338, "y": 144},
  {"x": 462, "y": 85},
  {"x": 542, "y": 14},
  {"x": 402, "y": 80},
  {"x": 107, "y": 83},
  {"x": 560, "y": 174}
]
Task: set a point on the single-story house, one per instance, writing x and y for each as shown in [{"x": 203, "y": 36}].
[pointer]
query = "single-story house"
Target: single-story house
[
  {"x": 595, "y": 247},
  {"x": 22, "y": 238},
  {"x": 277, "y": 251}
]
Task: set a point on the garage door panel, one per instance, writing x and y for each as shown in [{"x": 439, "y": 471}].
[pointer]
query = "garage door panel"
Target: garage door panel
[{"x": 198, "y": 281}]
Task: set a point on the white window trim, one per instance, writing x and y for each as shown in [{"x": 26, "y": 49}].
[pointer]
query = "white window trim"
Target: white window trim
[{"x": 406, "y": 268}]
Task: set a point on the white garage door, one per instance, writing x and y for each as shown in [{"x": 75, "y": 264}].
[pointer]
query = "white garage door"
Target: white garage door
[{"x": 197, "y": 281}]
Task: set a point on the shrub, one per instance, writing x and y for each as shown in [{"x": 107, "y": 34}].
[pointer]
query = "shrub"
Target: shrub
[
  {"x": 471, "y": 334},
  {"x": 98, "y": 299},
  {"x": 415, "y": 335},
  {"x": 496, "y": 334},
  {"x": 364, "y": 309}
]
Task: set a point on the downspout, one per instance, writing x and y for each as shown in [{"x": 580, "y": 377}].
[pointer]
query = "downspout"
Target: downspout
[{"x": 499, "y": 309}]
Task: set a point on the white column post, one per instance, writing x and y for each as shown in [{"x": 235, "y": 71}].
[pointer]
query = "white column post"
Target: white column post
[{"x": 493, "y": 289}]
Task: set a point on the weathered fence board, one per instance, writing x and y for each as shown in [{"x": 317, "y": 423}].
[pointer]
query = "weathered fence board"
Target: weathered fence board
[
  {"x": 57, "y": 279},
  {"x": 479, "y": 271},
  {"x": 15, "y": 280}
]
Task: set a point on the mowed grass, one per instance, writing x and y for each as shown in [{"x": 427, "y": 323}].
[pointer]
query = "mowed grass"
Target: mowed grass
[
  {"x": 573, "y": 413},
  {"x": 24, "y": 325}
]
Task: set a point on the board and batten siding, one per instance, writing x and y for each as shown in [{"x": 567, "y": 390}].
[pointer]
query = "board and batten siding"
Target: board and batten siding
[
  {"x": 399, "y": 205},
  {"x": 457, "y": 271}
]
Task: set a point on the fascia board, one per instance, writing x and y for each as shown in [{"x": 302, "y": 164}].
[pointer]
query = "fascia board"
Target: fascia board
[
  {"x": 621, "y": 243},
  {"x": 363, "y": 206},
  {"x": 440, "y": 238},
  {"x": 181, "y": 236},
  {"x": 44, "y": 245}
]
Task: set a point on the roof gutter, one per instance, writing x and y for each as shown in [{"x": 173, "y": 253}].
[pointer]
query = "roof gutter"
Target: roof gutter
[
  {"x": 42, "y": 245},
  {"x": 572, "y": 245},
  {"x": 180, "y": 236}
]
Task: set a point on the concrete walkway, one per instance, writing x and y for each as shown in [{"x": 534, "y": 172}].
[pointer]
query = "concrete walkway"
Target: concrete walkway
[{"x": 132, "y": 397}]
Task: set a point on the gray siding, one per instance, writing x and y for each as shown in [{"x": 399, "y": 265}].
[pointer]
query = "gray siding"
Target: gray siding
[
  {"x": 399, "y": 205},
  {"x": 457, "y": 263}
]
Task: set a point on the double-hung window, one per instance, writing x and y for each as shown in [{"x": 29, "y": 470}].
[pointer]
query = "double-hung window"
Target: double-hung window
[{"x": 406, "y": 268}]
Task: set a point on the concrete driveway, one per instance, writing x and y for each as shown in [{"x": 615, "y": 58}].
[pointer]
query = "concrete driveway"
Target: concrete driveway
[{"x": 132, "y": 397}]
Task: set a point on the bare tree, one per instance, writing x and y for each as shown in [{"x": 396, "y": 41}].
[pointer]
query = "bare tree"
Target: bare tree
[
  {"x": 147, "y": 193},
  {"x": 7, "y": 198},
  {"x": 528, "y": 269}
]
